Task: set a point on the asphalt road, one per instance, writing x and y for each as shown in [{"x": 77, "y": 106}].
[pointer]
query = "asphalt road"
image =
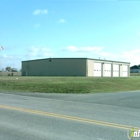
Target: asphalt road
[{"x": 38, "y": 116}]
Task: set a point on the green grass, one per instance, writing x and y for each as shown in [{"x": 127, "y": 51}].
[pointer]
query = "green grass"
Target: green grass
[
  {"x": 135, "y": 74},
  {"x": 69, "y": 84}
]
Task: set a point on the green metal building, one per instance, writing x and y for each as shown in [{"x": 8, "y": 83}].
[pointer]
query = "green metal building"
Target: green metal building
[{"x": 75, "y": 67}]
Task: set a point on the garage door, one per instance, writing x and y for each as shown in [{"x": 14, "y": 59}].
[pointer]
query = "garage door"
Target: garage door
[
  {"x": 107, "y": 70},
  {"x": 115, "y": 70},
  {"x": 97, "y": 69},
  {"x": 125, "y": 71}
]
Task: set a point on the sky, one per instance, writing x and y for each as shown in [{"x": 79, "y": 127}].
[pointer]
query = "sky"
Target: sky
[{"x": 35, "y": 29}]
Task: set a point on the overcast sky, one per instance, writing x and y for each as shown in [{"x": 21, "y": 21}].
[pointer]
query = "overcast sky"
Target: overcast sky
[{"x": 33, "y": 29}]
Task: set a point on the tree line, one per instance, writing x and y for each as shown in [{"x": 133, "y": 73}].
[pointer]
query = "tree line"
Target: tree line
[{"x": 9, "y": 69}]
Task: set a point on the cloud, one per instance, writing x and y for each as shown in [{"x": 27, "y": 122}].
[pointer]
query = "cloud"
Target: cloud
[
  {"x": 61, "y": 20},
  {"x": 87, "y": 51},
  {"x": 83, "y": 49},
  {"x": 11, "y": 60},
  {"x": 132, "y": 56},
  {"x": 105, "y": 54},
  {"x": 38, "y": 52},
  {"x": 71, "y": 48},
  {"x": 40, "y": 11}
]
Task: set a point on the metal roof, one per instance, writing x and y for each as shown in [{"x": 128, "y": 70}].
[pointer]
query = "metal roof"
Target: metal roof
[
  {"x": 79, "y": 58},
  {"x": 134, "y": 67}
]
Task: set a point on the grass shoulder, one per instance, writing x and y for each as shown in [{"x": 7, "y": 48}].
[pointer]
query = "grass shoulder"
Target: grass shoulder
[{"x": 69, "y": 84}]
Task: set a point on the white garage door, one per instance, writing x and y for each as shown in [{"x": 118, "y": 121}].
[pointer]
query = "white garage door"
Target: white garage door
[
  {"x": 107, "y": 70},
  {"x": 97, "y": 69},
  {"x": 125, "y": 71},
  {"x": 115, "y": 70}
]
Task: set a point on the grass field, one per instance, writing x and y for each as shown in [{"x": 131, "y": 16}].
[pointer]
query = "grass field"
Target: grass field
[
  {"x": 135, "y": 74},
  {"x": 68, "y": 84}
]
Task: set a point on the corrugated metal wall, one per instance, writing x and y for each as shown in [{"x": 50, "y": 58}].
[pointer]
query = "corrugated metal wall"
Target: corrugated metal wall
[{"x": 54, "y": 67}]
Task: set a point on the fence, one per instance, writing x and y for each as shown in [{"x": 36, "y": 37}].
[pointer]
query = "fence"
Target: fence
[
  {"x": 134, "y": 74},
  {"x": 10, "y": 73}
]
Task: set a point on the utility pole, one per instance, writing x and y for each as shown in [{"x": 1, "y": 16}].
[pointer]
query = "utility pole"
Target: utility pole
[{"x": 1, "y": 48}]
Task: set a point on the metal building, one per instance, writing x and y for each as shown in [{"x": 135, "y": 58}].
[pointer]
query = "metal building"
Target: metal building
[
  {"x": 75, "y": 67},
  {"x": 135, "y": 69}
]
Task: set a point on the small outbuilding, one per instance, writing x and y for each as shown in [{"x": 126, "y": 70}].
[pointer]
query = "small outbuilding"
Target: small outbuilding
[
  {"x": 75, "y": 67},
  {"x": 135, "y": 69}
]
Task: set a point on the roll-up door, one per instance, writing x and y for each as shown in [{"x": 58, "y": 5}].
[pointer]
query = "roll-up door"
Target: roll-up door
[
  {"x": 125, "y": 71},
  {"x": 97, "y": 69},
  {"x": 115, "y": 70},
  {"x": 107, "y": 70}
]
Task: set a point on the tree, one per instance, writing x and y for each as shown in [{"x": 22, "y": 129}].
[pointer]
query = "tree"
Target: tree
[
  {"x": 14, "y": 70},
  {"x": 8, "y": 68}
]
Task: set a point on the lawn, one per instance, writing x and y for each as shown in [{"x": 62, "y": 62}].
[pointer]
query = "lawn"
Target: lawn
[{"x": 69, "y": 84}]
